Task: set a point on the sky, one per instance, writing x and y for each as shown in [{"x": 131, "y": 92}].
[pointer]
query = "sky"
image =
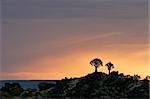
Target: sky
[{"x": 53, "y": 39}]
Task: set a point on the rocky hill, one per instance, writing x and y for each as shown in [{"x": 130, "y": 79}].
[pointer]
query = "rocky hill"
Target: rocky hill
[
  {"x": 98, "y": 85},
  {"x": 95, "y": 85}
]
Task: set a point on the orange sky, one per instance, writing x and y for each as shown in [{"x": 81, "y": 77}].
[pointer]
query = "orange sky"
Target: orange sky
[
  {"x": 47, "y": 39},
  {"x": 76, "y": 63}
]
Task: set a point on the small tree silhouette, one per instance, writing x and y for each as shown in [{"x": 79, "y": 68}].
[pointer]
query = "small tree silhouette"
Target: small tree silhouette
[
  {"x": 147, "y": 77},
  {"x": 96, "y": 62},
  {"x": 109, "y": 66},
  {"x": 136, "y": 77}
]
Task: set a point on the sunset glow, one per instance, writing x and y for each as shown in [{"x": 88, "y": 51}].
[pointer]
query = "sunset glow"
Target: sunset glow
[{"x": 48, "y": 39}]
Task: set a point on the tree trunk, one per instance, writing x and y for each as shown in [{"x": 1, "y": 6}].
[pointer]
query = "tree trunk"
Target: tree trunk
[
  {"x": 109, "y": 72},
  {"x": 95, "y": 69}
]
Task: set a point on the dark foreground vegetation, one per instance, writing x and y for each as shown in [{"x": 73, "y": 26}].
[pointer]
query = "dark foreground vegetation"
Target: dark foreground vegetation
[
  {"x": 95, "y": 85},
  {"x": 113, "y": 85}
]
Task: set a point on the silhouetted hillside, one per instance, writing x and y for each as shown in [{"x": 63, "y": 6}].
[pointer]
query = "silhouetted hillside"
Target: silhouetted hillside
[
  {"x": 99, "y": 84},
  {"x": 95, "y": 85}
]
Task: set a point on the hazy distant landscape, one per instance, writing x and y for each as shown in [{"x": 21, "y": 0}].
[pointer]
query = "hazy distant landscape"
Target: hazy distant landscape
[{"x": 33, "y": 84}]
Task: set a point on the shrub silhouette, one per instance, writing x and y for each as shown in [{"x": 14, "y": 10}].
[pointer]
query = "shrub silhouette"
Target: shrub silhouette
[
  {"x": 44, "y": 86},
  {"x": 13, "y": 89}
]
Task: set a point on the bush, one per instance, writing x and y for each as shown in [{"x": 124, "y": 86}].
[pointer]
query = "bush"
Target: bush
[
  {"x": 13, "y": 89},
  {"x": 44, "y": 86}
]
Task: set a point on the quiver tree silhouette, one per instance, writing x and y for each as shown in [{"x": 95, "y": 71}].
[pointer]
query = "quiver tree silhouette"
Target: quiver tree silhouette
[
  {"x": 96, "y": 63},
  {"x": 109, "y": 66}
]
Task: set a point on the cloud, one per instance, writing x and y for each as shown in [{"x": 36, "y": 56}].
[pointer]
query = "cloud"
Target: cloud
[
  {"x": 30, "y": 76},
  {"x": 56, "y": 9},
  {"x": 57, "y": 49},
  {"x": 86, "y": 38}
]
